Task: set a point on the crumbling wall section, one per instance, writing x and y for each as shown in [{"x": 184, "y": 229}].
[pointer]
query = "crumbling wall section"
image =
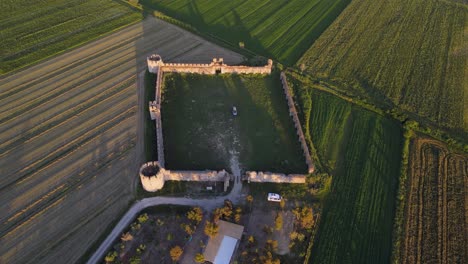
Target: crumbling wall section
[
  {"x": 207, "y": 175},
  {"x": 157, "y": 114},
  {"x": 297, "y": 123},
  {"x": 253, "y": 176}
]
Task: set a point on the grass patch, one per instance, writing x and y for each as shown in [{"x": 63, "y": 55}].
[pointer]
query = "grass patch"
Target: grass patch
[
  {"x": 200, "y": 131},
  {"x": 410, "y": 54},
  {"x": 32, "y": 31},
  {"x": 280, "y": 29}
]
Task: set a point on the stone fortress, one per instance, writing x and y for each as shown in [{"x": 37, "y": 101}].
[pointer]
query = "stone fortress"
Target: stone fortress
[{"x": 153, "y": 174}]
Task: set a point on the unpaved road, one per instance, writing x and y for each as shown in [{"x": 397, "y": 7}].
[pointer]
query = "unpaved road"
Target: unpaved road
[{"x": 70, "y": 140}]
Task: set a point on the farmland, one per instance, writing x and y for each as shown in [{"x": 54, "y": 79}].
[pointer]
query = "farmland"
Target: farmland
[
  {"x": 33, "y": 30},
  {"x": 200, "y": 131},
  {"x": 361, "y": 150},
  {"x": 279, "y": 29},
  {"x": 409, "y": 53},
  {"x": 436, "y": 221},
  {"x": 71, "y": 140}
]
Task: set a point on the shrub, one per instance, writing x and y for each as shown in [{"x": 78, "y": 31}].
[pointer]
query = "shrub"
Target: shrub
[
  {"x": 279, "y": 222},
  {"x": 176, "y": 252},
  {"x": 211, "y": 229},
  {"x": 143, "y": 218},
  {"x": 110, "y": 257},
  {"x": 196, "y": 215},
  {"x": 199, "y": 258}
]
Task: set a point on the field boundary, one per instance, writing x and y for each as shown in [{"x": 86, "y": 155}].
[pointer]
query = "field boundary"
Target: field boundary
[{"x": 454, "y": 140}]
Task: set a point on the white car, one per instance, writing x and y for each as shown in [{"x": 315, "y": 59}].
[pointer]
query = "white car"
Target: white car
[
  {"x": 234, "y": 111},
  {"x": 274, "y": 197}
]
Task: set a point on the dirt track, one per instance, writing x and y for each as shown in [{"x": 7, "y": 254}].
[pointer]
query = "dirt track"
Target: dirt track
[{"x": 70, "y": 143}]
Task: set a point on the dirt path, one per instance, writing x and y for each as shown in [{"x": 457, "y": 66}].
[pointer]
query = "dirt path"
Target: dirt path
[{"x": 71, "y": 140}]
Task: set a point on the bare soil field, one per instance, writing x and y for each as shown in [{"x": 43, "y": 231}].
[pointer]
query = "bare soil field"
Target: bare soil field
[
  {"x": 436, "y": 227},
  {"x": 71, "y": 143}
]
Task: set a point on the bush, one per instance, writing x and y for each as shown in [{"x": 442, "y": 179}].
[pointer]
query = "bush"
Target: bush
[
  {"x": 196, "y": 215},
  {"x": 199, "y": 258},
  {"x": 176, "y": 252},
  {"x": 211, "y": 229},
  {"x": 279, "y": 222}
]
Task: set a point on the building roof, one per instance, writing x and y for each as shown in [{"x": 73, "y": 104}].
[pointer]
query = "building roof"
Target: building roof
[{"x": 221, "y": 247}]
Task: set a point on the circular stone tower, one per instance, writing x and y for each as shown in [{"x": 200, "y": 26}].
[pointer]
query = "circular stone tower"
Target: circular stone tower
[
  {"x": 154, "y": 62},
  {"x": 152, "y": 176}
]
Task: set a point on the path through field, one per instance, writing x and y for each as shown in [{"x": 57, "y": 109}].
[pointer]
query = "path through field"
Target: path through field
[{"x": 71, "y": 143}]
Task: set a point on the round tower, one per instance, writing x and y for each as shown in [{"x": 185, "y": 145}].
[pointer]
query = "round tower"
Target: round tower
[
  {"x": 152, "y": 176},
  {"x": 154, "y": 62}
]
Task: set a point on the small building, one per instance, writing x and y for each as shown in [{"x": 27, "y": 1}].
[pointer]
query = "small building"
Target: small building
[{"x": 221, "y": 247}]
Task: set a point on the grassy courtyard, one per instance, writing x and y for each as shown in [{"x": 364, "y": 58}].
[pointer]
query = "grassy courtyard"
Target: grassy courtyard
[{"x": 200, "y": 131}]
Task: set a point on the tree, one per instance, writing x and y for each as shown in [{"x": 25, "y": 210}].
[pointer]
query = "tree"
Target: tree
[
  {"x": 279, "y": 222},
  {"x": 196, "y": 215},
  {"x": 249, "y": 199},
  {"x": 126, "y": 237},
  {"x": 176, "y": 252},
  {"x": 110, "y": 257},
  {"x": 143, "y": 218},
  {"x": 282, "y": 203},
  {"x": 188, "y": 229},
  {"x": 271, "y": 245},
  {"x": 199, "y": 258},
  {"x": 305, "y": 217},
  {"x": 211, "y": 229}
]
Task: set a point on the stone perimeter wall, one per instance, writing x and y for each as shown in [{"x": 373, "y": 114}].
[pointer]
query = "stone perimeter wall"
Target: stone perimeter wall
[
  {"x": 216, "y": 66},
  {"x": 253, "y": 176},
  {"x": 153, "y": 183},
  {"x": 297, "y": 123}
]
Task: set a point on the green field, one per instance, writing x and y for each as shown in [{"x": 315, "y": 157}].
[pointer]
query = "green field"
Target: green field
[
  {"x": 280, "y": 29},
  {"x": 33, "y": 30},
  {"x": 362, "y": 152},
  {"x": 412, "y": 53},
  {"x": 200, "y": 131}
]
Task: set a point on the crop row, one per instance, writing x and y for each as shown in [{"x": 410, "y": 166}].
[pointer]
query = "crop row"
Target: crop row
[
  {"x": 435, "y": 227},
  {"x": 360, "y": 150},
  {"x": 408, "y": 52},
  {"x": 55, "y": 26},
  {"x": 280, "y": 29}
]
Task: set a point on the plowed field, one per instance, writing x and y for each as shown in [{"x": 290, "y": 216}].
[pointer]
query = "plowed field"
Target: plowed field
[
  {"x": 71, "y": 143},
  {"x": 437, "y": 207}
]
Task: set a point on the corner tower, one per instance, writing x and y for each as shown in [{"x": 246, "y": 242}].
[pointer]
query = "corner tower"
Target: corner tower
[{"x": 154, "y": 62}]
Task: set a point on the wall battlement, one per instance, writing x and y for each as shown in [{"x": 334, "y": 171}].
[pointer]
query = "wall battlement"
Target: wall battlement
[{"x": 156, "y": 63}]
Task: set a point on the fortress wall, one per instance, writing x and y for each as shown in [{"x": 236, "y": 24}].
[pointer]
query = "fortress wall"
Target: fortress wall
[
  {"x": 297, "y": 123},
  {"x": 157, "y": 114},
  {"x": 246, "y": 70},
  {"x": 253, "y": 176},
  {"x": 190, "y": 69},
  {"x": 196, "y": 175}
]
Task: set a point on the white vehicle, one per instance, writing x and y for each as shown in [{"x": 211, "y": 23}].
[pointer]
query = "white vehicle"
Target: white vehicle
[
  {"x": 234, "y": 111},
  {"x": 274, "y": 197}
]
